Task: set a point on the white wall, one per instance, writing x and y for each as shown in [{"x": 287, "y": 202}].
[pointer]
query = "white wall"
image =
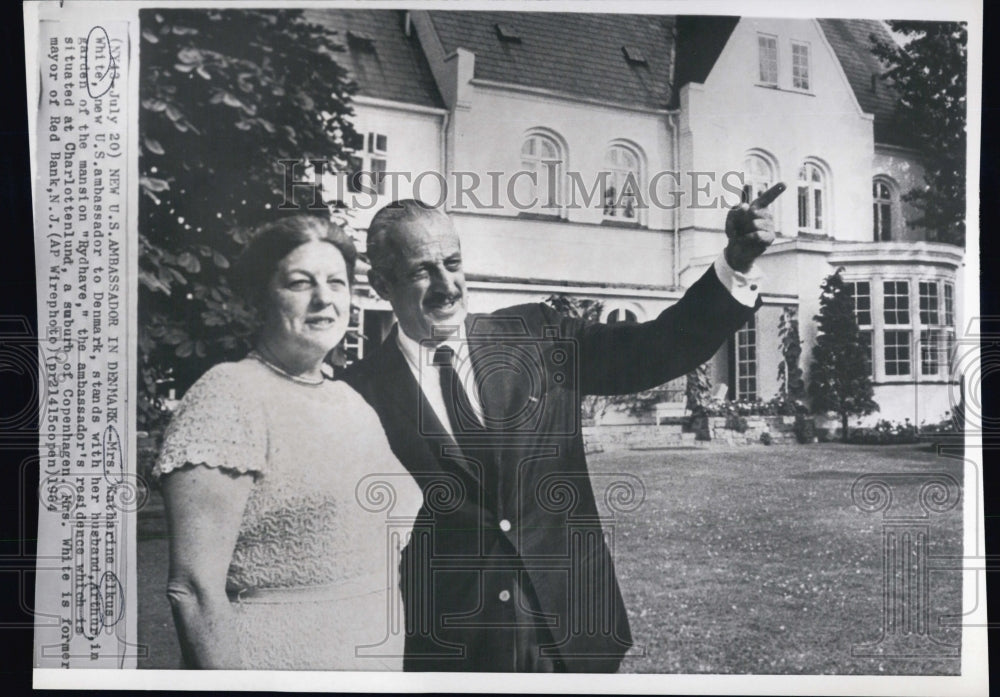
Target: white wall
[
  {"x": 489, "y": 135},
  {"x": 500, "y": 246},
  {"x": 730, "y": 114},
  {"x": 414, "y": 146}
]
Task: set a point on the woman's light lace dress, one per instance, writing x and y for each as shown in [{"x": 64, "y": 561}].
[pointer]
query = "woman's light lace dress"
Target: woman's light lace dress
[{"x": 314, "y": 576}]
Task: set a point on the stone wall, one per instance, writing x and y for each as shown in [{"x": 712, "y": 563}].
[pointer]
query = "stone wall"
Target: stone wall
[{"x": 781, "y": 430}]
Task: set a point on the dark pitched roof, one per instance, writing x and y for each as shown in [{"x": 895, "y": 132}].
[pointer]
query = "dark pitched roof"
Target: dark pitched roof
[
  {"x": 384, "y": 62},
  {"x": 700, "y": 40},
  {"x": 851, "y": 41},
  {"x": 618, "y": 58}
]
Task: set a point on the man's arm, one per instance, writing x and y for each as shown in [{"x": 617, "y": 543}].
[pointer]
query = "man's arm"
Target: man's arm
[{"x": 622, "y": 358}]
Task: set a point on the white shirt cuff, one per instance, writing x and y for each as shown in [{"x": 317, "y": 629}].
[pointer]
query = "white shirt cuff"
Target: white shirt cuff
[{"x": 741, "y": 285}]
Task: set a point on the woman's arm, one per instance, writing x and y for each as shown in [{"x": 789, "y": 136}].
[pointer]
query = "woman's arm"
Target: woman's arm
[{"x": 204, "y": 507}]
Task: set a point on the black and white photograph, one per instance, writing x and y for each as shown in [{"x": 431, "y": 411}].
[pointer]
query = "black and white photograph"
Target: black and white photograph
[{"x": 598, "y": 338}]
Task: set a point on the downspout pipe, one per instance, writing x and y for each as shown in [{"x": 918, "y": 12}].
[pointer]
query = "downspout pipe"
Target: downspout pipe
[{"x": 672, "y": 120}]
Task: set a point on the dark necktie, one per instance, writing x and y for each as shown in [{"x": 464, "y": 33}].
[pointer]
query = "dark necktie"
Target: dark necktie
[{"x": 456, "y": 400}]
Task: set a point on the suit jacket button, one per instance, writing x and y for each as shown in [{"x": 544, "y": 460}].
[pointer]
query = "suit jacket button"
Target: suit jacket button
[
  {"x": 504, "y": 596},
  {"x": 505, "y": 525}
]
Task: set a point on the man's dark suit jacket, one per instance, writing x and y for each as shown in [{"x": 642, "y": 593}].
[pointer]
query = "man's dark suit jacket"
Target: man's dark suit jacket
[{"x": 526, "y": 471}]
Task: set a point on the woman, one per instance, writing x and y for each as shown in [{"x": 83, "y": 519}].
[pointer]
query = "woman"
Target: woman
[{"x": 284, "y": 545}]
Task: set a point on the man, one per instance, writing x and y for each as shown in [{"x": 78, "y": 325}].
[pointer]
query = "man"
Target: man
[{"x": 508, "y": 567}]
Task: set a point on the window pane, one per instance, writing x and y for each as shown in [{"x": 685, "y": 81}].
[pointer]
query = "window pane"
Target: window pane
[
  {"x": 378, "y": 174},
  {"x": 897, "y": 352},
  {"x": 800, "y": 66},
  {"x": 896, "y": 301},
  {"x": 949, "y": 304},
  {"x": 746, "y": 362},
  {"x": 930, "y": 351},
  {"x": 620, "y": 195},
  {"x": 768, "y": 59},
  {"x": 803, "y": 207},
  {"x": 818, "y": 208},
  {"x": 542, "y": 156},
  {"x": 928, "y": 302},
  {"x": 861, "y": 293}
]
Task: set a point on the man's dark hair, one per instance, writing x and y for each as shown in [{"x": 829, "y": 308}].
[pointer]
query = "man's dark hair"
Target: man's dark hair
[{"x": 386, "y": 221}]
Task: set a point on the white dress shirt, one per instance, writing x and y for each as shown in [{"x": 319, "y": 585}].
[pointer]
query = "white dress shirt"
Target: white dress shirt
[
  {"x": 743, "y": 287},
  {"x": 420, "y": 358}
]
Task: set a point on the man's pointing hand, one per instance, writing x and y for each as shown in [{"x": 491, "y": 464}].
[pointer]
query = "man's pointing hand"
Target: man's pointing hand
[{"x": 750, "y": 229}]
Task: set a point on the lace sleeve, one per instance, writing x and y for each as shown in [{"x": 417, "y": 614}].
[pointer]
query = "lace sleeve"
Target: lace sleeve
[{"x": 219, "y": 423}]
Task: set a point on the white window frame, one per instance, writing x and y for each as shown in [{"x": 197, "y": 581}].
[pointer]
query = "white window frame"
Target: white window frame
[
  {"x": 807, "y": 77},
  {"x": 931, "y": 316},
  {"x": 813, "y": 191},
  {"x": 754, "y": 186},
  {"x": 761, "y": 78},
  {"x": 897, "y": 327},
  {"x": 541, "y": 165},
  {"x": 618, "y": 177},
  {"x": 746, "y": 369},
  {"x": 937, "y": 326},
  {"x": 881, "y": 205},
  {"x": 866, "y": 329},
  {"x": 374, "y": 163}
]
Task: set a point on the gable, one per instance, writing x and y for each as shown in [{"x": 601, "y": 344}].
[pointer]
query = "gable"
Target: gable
[{"x": 851, "y": 41}]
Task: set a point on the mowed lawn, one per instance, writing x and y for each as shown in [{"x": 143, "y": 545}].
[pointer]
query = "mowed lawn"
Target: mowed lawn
[
  {"x": 756, "y": 560},
  {"x": 742, "y": 560}
]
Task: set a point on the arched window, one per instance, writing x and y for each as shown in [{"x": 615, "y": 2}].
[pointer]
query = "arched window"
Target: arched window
[
  {"x": 541, "y": 192},
  {"x": 758, "y": 176},
  {"x": 812, "y": 199},
  {"x": 622, "y": 192},
  {"x": 883, "y": 195},
  {"x": 622, "y": 315}
]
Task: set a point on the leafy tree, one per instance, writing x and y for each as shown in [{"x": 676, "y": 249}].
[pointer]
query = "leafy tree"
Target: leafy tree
[
  {"x": 839, "y": 379},
  {"x": 697, "y": 388},
  {"x": 929, "y": 75},
  {"x": 791, "y": 384},
  {"x": 226, "y": 96}
]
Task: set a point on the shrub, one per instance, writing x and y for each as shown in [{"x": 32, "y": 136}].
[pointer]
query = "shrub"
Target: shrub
[
  {"x": 805, "y": 429},
  {"x": 765, "y": 438},
  {"x": 885, "y": 433}
]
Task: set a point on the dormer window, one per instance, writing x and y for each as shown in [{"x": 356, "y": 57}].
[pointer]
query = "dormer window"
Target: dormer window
[
  {"x": 634, "y": 55},
  {"x": 767, "y": 59},
  {"x": 507, "y": 34}
]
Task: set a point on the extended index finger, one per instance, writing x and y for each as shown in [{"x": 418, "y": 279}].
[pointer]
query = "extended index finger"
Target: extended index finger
[{"x": 767, "y": 198}]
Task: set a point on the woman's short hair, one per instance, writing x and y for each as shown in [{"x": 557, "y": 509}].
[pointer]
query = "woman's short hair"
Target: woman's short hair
[{"x": 273, "y": 241}]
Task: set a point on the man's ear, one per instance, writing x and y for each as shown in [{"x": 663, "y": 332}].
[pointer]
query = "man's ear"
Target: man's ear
[{"x": 379, "y": 283}]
